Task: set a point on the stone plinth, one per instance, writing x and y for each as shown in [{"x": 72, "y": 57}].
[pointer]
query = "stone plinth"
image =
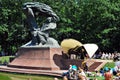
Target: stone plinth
[
  {"x": 67, "y": 62},
  {"x": 38, "y": 58}
]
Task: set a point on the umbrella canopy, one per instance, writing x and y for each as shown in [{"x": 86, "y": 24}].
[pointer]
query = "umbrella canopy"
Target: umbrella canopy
[
  {"x": 69, "y": 43},
  {"x": 90, "y": 49}
]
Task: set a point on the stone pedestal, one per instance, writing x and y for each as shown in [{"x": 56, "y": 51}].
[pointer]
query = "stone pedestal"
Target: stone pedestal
[
  {"x": 67, "y": 62},
  {"x": 42, "y": 58}
]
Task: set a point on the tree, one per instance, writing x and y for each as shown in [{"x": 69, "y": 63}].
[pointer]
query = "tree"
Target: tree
[{"x": 89, "y": 21}]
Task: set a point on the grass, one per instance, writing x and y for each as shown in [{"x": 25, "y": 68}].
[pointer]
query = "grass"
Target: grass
[
  {"x": 13, "y": 76},
  {"x": 110, "y": 65},
  {"x": 98, "y": 78},
  {"x": 4, "y": 77},
  {"x": 5, "y": 58}
]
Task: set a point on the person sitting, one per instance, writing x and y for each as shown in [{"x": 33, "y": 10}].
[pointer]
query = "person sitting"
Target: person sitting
[
  {"x": 102, "y": 71},
  {"x": 108, "y": 75},
  {"x": 73, "y": 72},
  {"x": 55, "y": 78},
  {"x": 74, "y": 67},
  {"x": 81, "y": 75},
  {"x": 65, "y": 78},
  {"x": 85, "y": 66},
  {"x": 97, "y": 74},
  {"x": 118, "y": 75}
]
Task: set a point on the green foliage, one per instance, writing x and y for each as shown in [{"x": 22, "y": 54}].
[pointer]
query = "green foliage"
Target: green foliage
[
  {"x": 12, "y": 30},
  {"x": 89, "y": 21}
]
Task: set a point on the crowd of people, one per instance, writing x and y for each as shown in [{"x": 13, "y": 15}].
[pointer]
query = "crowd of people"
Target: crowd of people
[
  {"x": 110, "y": 56},
  {"x": 79, "y": 73},
  {"x": 74, "y": 73},
  {"x": 108, "y": 73}
]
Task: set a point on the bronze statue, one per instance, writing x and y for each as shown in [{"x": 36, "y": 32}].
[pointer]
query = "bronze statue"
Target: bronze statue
[{"x": 40, "y": 35}]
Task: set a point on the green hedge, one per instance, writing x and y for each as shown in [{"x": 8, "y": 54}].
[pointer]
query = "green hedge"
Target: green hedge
[{"x": 5, "y": 59}]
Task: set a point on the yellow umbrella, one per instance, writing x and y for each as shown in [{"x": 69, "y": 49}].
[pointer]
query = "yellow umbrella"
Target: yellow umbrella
[{"x": 69, "y": 43}]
